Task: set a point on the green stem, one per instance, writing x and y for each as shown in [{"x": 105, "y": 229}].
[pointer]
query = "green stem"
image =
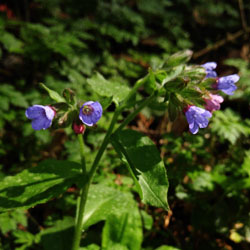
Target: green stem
[
  {"x": 111, "y": 127},
  {"x": 90, "y": 174},
  {"x": 88, "y": 180},
  {"x": 104, "y": 144},
  {"x": 132, "y": 115},
  {"x": 81, "y": 144},
  {"x": 79, "y": 223}
]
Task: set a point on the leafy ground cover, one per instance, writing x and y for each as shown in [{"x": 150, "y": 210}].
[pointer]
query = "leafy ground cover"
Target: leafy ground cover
[{"x": 64, "y": 44}]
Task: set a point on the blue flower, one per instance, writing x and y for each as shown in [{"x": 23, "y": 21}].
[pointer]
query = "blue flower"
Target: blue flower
[
  {"x": 90, "y": 113},
  {"x": 226, "y": 83},
  {"x": 197, "y": 118},
  {"x": 41, "y": 116},
  {"x": 209, "y": 67}
]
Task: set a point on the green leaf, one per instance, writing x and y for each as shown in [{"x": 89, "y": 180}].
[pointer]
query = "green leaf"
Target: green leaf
[
  {"x": 38, "y": 184},
  {"x": 208, "y": 83},
  {"x": 10, "y": 220},
  {"x": 228, "y": 125},
  {"x": 171, "y": 74},
  {"x": 23, "y": 237},
  {"x": 195, "y": 73},
  {"x": 150, "y": 82},
  {"x": 175, "y": 85},
  {"x": 147, "y": 220},
  {"x": 11, "y": 43},
  {"x": 179, "y": 58},
  {"x": 105, "y": 102},
  {"x": 173, "y": 106},
  {"x": 123, "y": 231},
  {"x": 146, "y": 166},
  {"x": 105, "y": 201},
  {"x": 10, "y": 95},
  {"x": 107, "y": 88},
  {"x": 53, "y": 94}
]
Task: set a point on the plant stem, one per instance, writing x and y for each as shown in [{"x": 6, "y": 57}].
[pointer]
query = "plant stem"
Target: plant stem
[
  {"x": 111, "y": 127},
  {"x": 90, "y": 174},
  {"x": 104, "y": 144},
  {"x": 79, "y": 223},
  {"x": 132, "y": 115},
  {"x": 81, "y": 144},
  {"x": 88, "y": 180}
]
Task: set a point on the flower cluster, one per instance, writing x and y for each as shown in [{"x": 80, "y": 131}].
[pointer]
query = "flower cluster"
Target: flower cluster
[
  {"x": 42, "y": 116},
  {"x": 198, "y": 117}
]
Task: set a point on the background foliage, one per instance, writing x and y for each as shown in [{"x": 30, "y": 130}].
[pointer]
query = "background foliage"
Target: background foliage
[{"x": 63, "y": 43}]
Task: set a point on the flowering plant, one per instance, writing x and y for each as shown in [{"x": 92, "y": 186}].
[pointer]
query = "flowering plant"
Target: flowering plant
[{"x": 180, "y": 88}]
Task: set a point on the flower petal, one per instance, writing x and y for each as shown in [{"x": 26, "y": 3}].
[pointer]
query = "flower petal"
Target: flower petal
[
  {"x": 194, "y": 129},
  {"x": 41, "y": 123},
  {"x": 209, "y": 65},
  {"x": 35, "y": 111},
  {"x": 211, "y": 74},
  {"x": 50, "y": 113},
  {"x": 189, "y": 117}
]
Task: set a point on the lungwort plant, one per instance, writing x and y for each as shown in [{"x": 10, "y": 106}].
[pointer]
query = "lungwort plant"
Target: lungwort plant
[{"x": 182, "y": 89}]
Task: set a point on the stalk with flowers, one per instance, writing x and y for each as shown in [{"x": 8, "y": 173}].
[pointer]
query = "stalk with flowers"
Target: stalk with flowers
[{"x": 192, "y": 90}]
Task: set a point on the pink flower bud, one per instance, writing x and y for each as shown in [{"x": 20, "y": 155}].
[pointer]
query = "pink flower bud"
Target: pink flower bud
[
  {"x": 213, "y": 103},
  {"x": 78, "y": 128}
]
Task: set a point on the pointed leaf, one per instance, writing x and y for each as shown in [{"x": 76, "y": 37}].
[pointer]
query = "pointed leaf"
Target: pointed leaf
[
  {"x": 146, "y": 164},
  {"x": 38, "y": 184},
  {"x": 105, "y": 201},
  {"x": 179, "y": 58},
  {"x": 107, "y": 88},
  {"x": 53, "y": 94},
  {"x": 123, "y": 231}
]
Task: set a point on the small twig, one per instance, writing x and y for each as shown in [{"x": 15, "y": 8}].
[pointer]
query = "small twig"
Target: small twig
[
  {"x": 230, "y": 37},
  {"x": 34, "y": 220}
]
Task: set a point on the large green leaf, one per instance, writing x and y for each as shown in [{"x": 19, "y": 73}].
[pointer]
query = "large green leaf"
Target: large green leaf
[
  {"x": 107, "y": 88},
  {"x": 104, "y": 201},
  {"x": 146, "y": 166},
  {"x": 38, "y": 184},
  {"x": 123, "y": 232}
]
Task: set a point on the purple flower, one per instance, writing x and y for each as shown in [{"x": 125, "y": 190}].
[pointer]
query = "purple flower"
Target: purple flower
[
  {"x": 226, "y": 83},
  {"x": 213, "y": 103},
  {"x": 41, "y": 116},
  {"x": 90, "y": 113},
  {"x": 197, "y": 118},
  {"x": 209, "y": 67}
]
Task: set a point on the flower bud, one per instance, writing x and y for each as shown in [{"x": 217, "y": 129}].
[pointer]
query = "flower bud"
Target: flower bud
[{"x": 78, "y": 128}]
